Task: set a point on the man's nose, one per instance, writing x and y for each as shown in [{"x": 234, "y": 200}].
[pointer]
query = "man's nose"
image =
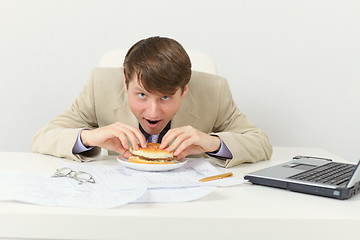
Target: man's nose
[{"x": 153, "y": 109}]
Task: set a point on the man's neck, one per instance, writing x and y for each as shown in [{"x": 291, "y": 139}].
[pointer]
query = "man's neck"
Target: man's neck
[{"x": 161, "y": 134}]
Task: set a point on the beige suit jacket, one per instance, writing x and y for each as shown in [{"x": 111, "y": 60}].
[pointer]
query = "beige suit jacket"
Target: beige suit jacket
[{"x": 208, "y": 107}]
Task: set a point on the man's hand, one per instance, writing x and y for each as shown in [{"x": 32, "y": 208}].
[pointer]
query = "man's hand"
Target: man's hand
[
  {"x": 188, "y": 140},
  {"x": 114, "y": 137}
]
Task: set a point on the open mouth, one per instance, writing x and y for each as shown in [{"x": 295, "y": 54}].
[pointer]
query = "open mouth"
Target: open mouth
[{"x": 152, "y": 122}]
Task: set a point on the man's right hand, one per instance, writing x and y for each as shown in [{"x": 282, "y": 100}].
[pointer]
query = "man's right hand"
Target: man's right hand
[{"x": 114, "y": 137}]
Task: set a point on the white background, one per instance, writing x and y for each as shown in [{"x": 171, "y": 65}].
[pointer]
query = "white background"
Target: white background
[{"x": 293, "y": 66}]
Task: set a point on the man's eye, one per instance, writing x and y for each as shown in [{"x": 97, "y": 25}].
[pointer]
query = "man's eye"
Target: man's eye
[
  {"x": 142, "y": 95},
  {"x": 165, "y": 98}
]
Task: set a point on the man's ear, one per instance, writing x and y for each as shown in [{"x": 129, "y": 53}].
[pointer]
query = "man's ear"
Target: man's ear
[
  {"x": 185, "y": 91},
  {"x": 125, "y": 86}
]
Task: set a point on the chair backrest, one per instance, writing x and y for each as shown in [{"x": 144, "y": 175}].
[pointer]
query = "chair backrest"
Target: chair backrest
[{"x": 199, "y": 61}]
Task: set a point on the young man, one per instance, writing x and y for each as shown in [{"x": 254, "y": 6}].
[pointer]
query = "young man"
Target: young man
[{"x": 155, "y": 97}]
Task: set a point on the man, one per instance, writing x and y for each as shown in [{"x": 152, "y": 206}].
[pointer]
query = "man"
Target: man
[{"x": 157, "y": 98}]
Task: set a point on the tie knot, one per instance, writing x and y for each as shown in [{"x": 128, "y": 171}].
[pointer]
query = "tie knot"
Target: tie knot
[{"x": 154, "y": 138}]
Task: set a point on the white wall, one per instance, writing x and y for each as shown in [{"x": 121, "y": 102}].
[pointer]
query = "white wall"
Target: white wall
[{"x": 293, "y": 65}]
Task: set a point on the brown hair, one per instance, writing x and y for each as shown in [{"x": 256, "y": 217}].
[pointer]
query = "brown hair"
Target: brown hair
[{"x": 161, "y": 65}]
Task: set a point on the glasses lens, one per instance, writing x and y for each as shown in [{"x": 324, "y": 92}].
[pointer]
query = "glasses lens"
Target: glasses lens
[
  {"x": 83, "y": 177},
  {"x": 62, "y": 172}
]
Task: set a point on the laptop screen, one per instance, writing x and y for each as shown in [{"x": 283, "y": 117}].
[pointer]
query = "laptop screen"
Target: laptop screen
[{"x": 355, "y": 177}]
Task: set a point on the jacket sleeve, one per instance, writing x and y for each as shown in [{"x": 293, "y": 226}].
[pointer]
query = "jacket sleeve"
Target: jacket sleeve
[
  {"x": 58, "y": 137},
  {"x": 247, "y": 142}
]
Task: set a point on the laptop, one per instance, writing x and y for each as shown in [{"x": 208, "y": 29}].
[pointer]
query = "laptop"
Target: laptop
[{"x": 312, "y": 175}]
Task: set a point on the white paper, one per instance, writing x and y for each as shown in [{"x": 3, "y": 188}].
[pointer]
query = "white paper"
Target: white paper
[
  {"x": 118, "y": 177},
  {"x": 115, "y": 185},
  {"x": 203, "y": 166},
  {"x": 179, "y": 185},
  {"x": 44, "y": 190}
]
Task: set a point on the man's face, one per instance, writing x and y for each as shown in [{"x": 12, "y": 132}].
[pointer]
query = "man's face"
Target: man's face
[{"x": 153, "y": 111}]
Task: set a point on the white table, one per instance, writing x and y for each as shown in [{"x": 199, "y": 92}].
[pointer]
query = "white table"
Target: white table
[{"x": 246, "y": 211}]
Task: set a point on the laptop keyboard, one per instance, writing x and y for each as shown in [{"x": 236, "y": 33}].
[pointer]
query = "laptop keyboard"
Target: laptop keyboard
[{"x": 333, "y": 173}]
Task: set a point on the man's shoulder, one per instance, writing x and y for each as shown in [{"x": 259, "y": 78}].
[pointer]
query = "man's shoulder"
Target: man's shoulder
[
  {"x": 107, "y": 72},
  {"x": 107, "y": 84},
  {"x": 107, "y": 77},
  {"x": 204, "y": 89},
  {"x": 206, "y": 80},
  {"x": 206, "y": 76}
]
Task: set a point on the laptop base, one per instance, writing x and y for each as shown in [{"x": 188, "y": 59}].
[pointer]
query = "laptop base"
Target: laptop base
[{"x": 340, "y": 193}]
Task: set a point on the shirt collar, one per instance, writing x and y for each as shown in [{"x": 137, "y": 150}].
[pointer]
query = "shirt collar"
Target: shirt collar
[{"x": 161, "y": 135}]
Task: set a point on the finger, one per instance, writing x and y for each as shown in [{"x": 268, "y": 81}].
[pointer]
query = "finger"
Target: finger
[
  {"x": 179, "y": 141},
  {"x": 183, "y": 146},
  {"x": 184, "y": 153},
  {"x": 122, "y": 138},
  {"x": 138, "y": 135},
  {"x": 176, "y": 136},
  {"x": 124, "y": 133},
  {"x": 168, "y": 137},
  {"x": 132, "y": 139},
  {"x": 124, "y": 152},
  {"x": 180, "y": 156},
  {"x": 140, "y": 139},
  {"x": 114, "y": 144}
]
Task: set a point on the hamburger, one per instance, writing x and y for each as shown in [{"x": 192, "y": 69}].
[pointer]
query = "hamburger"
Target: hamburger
[{"x": 152, "y": 154}]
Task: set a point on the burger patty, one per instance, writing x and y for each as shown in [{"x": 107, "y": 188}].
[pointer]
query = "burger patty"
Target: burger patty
[{"x": 155, "y": 159}]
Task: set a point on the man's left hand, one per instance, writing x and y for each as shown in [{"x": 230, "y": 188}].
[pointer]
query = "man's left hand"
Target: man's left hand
[{"x": 188, "y": 140}]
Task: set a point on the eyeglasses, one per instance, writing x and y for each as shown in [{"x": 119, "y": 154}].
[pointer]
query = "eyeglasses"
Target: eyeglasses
[{"x": 82, "y": 177}]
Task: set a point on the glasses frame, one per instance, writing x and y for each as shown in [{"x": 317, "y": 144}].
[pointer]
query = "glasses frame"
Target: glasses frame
[{"x": 74, "y": 175}]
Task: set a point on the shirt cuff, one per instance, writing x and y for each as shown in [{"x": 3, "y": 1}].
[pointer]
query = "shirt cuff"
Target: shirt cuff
[
  {"x": 223, "y": 152},
  {"x": 79, "y": 146}
]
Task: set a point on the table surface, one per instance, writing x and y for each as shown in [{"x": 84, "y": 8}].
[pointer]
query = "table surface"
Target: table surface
[{"x": 243, "y": 211}]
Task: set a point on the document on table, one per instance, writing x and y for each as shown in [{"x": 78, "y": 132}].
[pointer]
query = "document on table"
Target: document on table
[
  {"x": 44, "y": 190},
  {"x": 115, "y": 185}
]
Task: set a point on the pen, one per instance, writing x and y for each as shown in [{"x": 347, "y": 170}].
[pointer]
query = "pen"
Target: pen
[{"x": 216, "y": 177}]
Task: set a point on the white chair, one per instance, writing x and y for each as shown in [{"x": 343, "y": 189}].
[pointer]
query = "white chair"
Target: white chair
[{"x": 199, "y": 61}]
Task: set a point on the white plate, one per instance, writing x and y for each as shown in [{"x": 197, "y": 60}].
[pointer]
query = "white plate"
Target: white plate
[{"x": 151, "y": 167}]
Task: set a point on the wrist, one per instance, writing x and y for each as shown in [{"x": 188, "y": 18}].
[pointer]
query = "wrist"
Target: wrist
[
  {"x": 216, "y": 143},
  {"x": 84, "y": 137}
]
